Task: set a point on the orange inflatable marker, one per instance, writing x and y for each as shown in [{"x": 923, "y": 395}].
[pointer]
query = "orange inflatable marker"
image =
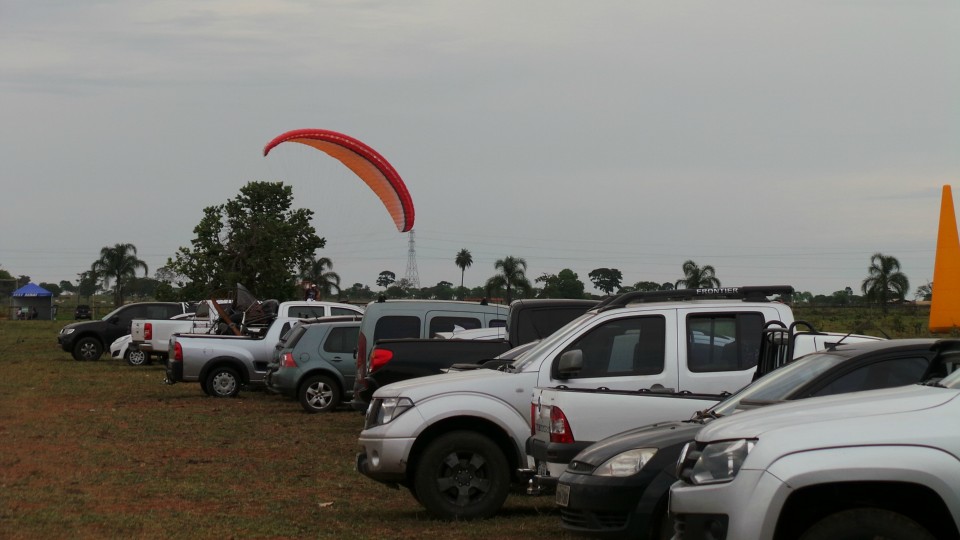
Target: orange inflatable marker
[{"x": 945, "y": 305}]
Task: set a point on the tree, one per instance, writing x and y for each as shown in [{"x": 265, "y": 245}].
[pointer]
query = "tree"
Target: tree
[
  {"x": 646, "y": 286},
  {"x": 884, "y": 281},
  {"x": 463, "y": 261},
  {"x": 386, "y": 279},
  {"x": 119, "y": 264},
  {"x": 443, "y": 290},
  {"x": 320, "y": 273},
  {"x": 255, "y": 239},
  {"x": 696, "y": 277},
  {"x": 52, "y": 287},
  {"x": 606, "y": 279},
  {"x": 924, "y": 292},
  {"x": 566, "y": 284},
  {"x": 512, "y": 275}
]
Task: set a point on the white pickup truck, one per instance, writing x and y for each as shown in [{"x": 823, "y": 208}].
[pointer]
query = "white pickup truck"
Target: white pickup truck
[
  {"x": 457, "y": 440},
  {"x": 706, "y": 347}
]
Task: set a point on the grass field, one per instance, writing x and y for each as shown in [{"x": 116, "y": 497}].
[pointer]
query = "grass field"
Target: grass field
[{"x": 105, "y": 450}]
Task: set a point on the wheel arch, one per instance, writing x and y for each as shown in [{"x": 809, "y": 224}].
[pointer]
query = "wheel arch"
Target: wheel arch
[
  {"x": 226, "y": 361},
  {"x": 807, "y": 505},
  {"x": 467, "y": 423}
]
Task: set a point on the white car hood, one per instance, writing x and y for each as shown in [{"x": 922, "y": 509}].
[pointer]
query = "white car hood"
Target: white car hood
[
  {"x": 856, "y": 405},
  {"x": 432, "y": 385}
]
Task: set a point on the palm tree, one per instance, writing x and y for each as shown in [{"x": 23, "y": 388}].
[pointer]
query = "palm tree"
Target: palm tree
[
  {"x": 119, "y": 264},
  {"x": 512, "y": 274},
  {"x": 696, "y": 277},
  {"x": 463, "y": 260},
  {"x": 885, "y": 281},
  {"x": 320, "y": 273}
]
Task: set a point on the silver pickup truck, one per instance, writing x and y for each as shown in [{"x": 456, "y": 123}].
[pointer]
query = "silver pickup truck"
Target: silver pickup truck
[{"x": 222, "y": 364}]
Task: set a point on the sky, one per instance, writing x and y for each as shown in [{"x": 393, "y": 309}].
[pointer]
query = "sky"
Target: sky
[{"x": 779, "y": 142}]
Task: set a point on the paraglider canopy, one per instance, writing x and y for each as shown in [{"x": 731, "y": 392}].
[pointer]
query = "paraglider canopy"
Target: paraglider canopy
[{"x": 365, "y": 162}]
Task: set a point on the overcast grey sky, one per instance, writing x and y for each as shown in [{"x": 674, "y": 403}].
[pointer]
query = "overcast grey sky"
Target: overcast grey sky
[{"x": 781, "y": 142}]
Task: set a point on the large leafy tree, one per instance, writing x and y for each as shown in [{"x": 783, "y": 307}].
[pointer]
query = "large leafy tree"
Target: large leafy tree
[
  {"x": 320, "y": 273},
  {"x": 463, "y": 260},
  {"x": 118, "y": 264},
  {"x": 696, "y": 277},
  {"x": 566, "y": 284},
  {"x": 386, "y": 279},
  {"x": 513, "y": 275},
  {"x": 606, "y": 279},
  {"x": 884, "y": 280},
  {"x": 256, "y": 239}
]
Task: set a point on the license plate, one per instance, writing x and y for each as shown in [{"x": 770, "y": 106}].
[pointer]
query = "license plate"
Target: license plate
[{"x": 563, "y": 494}]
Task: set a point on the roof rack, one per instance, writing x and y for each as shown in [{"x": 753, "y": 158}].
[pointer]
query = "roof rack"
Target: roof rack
[{"x": 747, "y": 294}]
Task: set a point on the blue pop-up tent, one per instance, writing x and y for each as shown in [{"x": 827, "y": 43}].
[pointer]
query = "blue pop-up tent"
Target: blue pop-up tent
[{"x": 33, "y": 301}]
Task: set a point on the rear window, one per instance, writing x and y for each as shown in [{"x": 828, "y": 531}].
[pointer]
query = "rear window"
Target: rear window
[
  {"x": 451, "y": 324},
  {"x": 396, "y": 327},
  {"x": 292, "y": 337},
  {"x": 343, "y": 311},
  {"x": 306, "y": 312}
]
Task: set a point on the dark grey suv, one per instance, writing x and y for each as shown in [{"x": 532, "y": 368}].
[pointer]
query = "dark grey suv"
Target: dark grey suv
[{"x": 315, "y": 363}]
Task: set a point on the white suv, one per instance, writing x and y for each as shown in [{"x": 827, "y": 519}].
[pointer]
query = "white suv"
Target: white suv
[{"x": 878, "y": 464}]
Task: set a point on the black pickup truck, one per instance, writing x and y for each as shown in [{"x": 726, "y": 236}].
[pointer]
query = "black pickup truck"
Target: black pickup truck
[{"x": 393, "y": 360}]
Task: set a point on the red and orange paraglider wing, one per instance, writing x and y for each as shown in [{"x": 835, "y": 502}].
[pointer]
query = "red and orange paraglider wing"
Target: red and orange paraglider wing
[{"x": 365, "y": 162}]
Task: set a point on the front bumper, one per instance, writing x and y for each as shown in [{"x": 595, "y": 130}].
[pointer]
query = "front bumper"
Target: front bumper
[
  {"x": 708, "y": 511},
  {"x": 384, "y": 460},
  {"x": 612, "y": 507}
]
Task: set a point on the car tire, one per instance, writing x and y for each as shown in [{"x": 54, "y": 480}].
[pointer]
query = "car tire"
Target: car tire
[
  {"x": 223, "y": 382},
  {"x": 866, "y": 523},
  {"x": 87, "y": 349},
  {"x": 136, "y": 358},
  {"x": 462, "y": 475},
  {"x": 318, "y": 393}
]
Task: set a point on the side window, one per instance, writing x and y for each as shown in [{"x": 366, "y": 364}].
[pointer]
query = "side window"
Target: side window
[
  {"x": 633, "y": 346},
  {"x": 126, "y": 316},
  {"x": 723, "y": 341},
  {"x": 396, "y": 327},
  {"x": 342, "y": 340},
  {"x": 450, "y": 324},
  {"x": 883, "y": 374},
  {"x": 343, "y": 311},
  {"x": 498, "y": 323},
  {"x": 168, "y": 312}
]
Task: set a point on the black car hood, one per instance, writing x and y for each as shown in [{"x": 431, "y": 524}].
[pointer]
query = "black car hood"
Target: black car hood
[{"x": 659, "y": 435}]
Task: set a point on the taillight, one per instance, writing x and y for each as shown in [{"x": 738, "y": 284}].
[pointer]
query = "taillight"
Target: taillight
[
  {"x": 148, "y": 331},
  {"x": 177, "y": 352},
  {"x": 361, "y": 356},
  {"x": 379, "y": 358},
  {"x": 560, "y": 431},
  {"x": 533, "y": 419},
  {"x": 287, "y": 360}
]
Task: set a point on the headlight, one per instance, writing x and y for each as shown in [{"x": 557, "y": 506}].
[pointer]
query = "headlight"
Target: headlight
[
  {"x": 66, "y": 331},
  {"x": 720, "y": 461},
  {"x": 626, "y": 463},
  {"x": 385, "y": 410}
]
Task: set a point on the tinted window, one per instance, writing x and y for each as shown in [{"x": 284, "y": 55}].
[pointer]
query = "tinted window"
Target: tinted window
[
  {"x": 723, "y": 342},
  {"x": 342, "y": 339},
  {"x": 396, "y": 327},
  {"x": 342, "y": 311},
  {"x": 633, "y": 346},
  {"x": 498, "y": 323},
  {"x": 884, "y": 374},
  {"x": 292, "y": 337},
  {"x": 306, "y": 312},
  {"x": 449, "y": 324},
  {"x": 539, "y": 323}
]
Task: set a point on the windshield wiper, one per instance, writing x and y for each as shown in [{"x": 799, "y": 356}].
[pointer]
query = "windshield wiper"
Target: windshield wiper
[
  {"x": 934, "y": 383},
  {"x": 706, "y": 414}
]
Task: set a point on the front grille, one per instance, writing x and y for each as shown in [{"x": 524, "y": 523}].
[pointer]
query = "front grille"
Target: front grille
[
  {"x": 585, "y": 519},
  {"x": 372, "y": 412}
]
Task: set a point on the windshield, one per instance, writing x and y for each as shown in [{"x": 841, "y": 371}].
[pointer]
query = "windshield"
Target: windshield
[
  {"x": 521, "y": 363},
  {"x": 952, "y": 380},
  {"x": 779, "y": 384},
  {"x": 111, "y": 314}
]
